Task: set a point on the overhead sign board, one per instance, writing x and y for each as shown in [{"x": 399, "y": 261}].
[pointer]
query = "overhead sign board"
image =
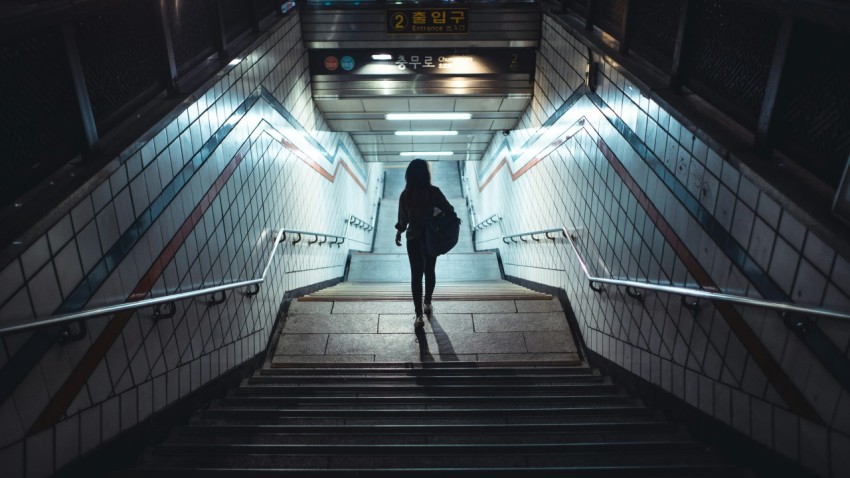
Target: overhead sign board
[
  {"x": 427, "y": 21},
  {"x": 422, "y": 61}
]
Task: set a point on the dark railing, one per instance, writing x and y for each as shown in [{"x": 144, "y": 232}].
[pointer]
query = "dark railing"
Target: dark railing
[
  {"x": 217, "y": 294},
  {"x": 487, "y": 222},
  {"x": 359, "y": 223},
  {"x": 156, "y": 302},
  {"x": 318, "y": 237},
  {"x": 596, "y": 282}
]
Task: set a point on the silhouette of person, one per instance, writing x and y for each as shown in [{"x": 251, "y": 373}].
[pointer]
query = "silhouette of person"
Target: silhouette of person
[{"x": 417, "y": 201}]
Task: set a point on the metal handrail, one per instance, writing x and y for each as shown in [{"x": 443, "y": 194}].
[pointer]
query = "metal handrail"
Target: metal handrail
[
  {"x": 318, "y": 235},
  {"x": 359, "y": 223},
  {"x": 487, "y": 222},
  {"x": 683, "y": 291},
  {"x": 21, "y": 326}
]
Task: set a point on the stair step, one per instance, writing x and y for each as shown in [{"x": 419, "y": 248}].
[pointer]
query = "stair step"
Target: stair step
[
  {"x": 364, "y": 284},
  {"x": 602, "y": 471},
  {"x": 430, "y": 389},
  {"x": 666, "y": 446},
  {"x": 379, "y": 369},
  {"x": 387, "y": 415},
  {"x": 505, "y": 367},
  {"x": 429, "y": 434},
  {"x": 426, "y": 456},
  {"x": 613, "y": 426},
  {"x": 256, "y": 397},
  {"x": 425, "y": 379}
]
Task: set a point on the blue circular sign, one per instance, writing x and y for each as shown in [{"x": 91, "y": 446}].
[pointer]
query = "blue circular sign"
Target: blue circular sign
[{"x": 347, "y": 63}]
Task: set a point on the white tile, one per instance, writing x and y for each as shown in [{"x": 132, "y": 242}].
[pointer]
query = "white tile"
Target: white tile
[
  {"x": 90, "y": 429},
  {"x": 89, "y": 246},
  {"x": 725, "y": 207},
  {"x": 761, "y": 422},
  {"x": 786, "y": 432},
  {"x": 741, "y": 411},
  {"x": 742, "y": 223},
  {"x": 107, "y": 226},
  {"x": 59, "y": 234},
  {"x": 68, "y": 268},
  {"x": 35, "y": 256},
  {"x": 13, "y": 429},
  {"x": 160, "y": 393},
  {"x": 761, "y": 243},
  {"x": 783, "y": 266},
  {"x": 769, "y": 210},
  {"x": 118, "y": 179},
  {"x": 129, "y": 409},
  {"x": 82, "y": 213},
  {"x": 841, "y": 418},
  {"x": 706, "y": 395},
  {"x": 841, "y": 274},
  {"x": 809, "y": 285},
  {"x": 792, "y": 230},
  {"x": 110, "y": 418},
  {"x": 12, "y": 278},
  {"x": 714, "y": 162},
  {"x": 39, "y": 450},
  {"x": 12, "y": 459},
  {"x": 814, "y": 447},
  {"x": 840, "y": 459},
  {"x": 67, "y": 440}
]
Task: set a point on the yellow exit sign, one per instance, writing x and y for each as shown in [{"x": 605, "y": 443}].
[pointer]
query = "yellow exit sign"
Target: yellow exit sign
[{"x": 428, "y": 21}]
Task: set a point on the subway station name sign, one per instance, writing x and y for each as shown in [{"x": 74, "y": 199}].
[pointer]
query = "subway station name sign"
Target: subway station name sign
[
  {"x": 428, "y": 21},
  {"x": 422, "y": 61}
]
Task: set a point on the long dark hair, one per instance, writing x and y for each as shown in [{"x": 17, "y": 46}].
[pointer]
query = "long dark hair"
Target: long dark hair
[{"x": 418, "y": 179}]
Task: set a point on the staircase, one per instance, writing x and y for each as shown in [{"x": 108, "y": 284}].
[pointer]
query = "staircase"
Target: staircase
[
  {"x": 440, "y": 420},
  {"x": 491, "y": 386}
]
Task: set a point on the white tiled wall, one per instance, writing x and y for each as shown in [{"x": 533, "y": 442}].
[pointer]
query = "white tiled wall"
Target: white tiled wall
[
  {"x": 172, "y": 214},
  {"x": 697, "y": 357}
]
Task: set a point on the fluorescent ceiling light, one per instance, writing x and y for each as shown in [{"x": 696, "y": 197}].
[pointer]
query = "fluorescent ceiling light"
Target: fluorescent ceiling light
[
  {"x": 235, "y": 61},
  {"x": 426, "y": 153},
  {"x": 426, "y": 133},
  {"x": 382, "y": 56},
  {"x": 428, "y": 116}
]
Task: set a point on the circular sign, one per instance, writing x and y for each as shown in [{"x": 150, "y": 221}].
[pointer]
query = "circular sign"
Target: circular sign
[
  {"x": 347, "y": 63},
  {"x": 331, "y": 63},
  {"x": 398, "y": 21}
]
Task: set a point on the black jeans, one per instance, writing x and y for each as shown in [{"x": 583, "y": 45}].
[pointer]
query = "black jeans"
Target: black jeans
[{"x": 421, "y": 262}]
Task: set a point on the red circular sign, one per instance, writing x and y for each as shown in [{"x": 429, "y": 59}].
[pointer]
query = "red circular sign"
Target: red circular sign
[{"x": 331, "y": 63}]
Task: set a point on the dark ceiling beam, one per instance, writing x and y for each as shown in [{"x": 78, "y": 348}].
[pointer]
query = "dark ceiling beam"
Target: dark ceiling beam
[
  {"x": 763, "y": 134},
  {"x": 169, "y": 62},
  {"x": 255, "y": 16},
  {"x": 81, "y": 91},
  {"x": 220, "y": 30},
  {"x": 679, "y": 50},
  {"x": 628, "y": 19},
  {"x": 591, "y": 15}
]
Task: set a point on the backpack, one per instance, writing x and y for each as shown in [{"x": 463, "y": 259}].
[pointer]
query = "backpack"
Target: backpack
[{"x": 441, "y": 232}]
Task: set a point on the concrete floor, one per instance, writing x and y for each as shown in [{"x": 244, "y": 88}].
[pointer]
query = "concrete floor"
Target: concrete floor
[
  {"x": 483, "y": 331},
  {"x": 463, "y": 330}
]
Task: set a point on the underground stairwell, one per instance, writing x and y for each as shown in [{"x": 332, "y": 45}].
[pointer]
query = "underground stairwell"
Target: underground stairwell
[{"x": 493, "y": 385}]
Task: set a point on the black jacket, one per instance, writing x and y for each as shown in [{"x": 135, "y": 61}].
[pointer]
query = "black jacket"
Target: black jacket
[{"x": 412, "y": 218}]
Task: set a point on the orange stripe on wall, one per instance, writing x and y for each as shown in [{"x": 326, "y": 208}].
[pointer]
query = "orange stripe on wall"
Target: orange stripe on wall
[
  {"x": 772, "y": 370},
  {"x": 95, "y": 354}
]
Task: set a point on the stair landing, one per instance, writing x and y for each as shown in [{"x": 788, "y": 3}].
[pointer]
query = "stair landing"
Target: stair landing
[
  {"x": 365, "y": 331},
  {"x": 398, "y": 291}
]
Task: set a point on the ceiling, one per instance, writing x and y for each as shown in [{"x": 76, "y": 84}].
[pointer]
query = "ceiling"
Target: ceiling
[{"x": 495, "y": 84}]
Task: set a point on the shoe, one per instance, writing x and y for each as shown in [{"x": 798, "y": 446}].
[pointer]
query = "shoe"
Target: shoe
[
  {"x": 419, "y": 321},
  {"x": 428, "y": 309}
]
